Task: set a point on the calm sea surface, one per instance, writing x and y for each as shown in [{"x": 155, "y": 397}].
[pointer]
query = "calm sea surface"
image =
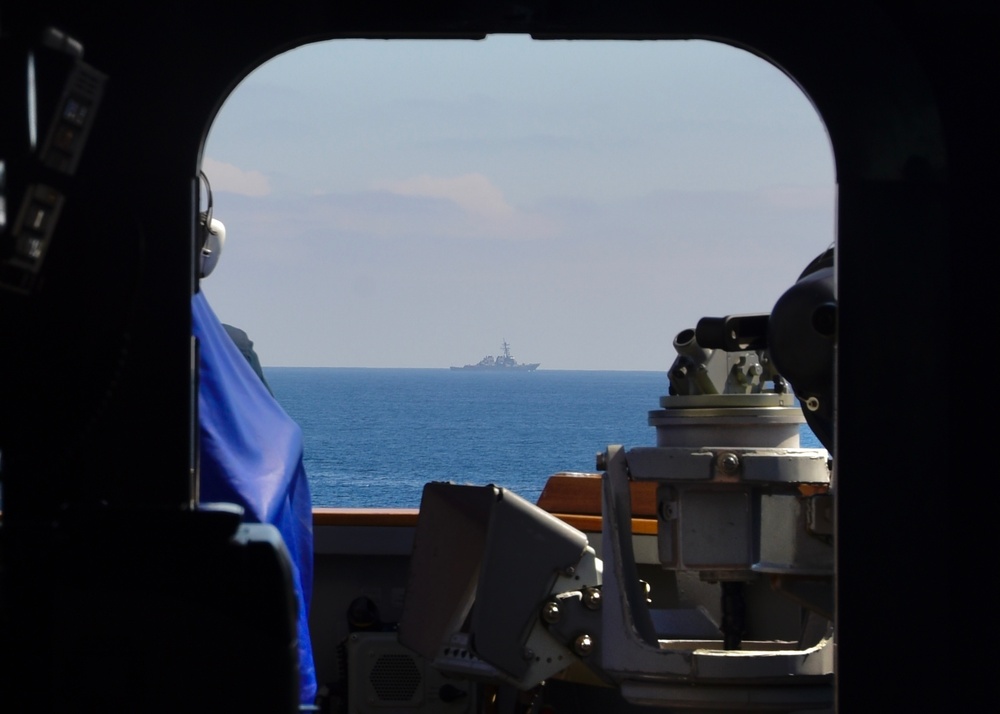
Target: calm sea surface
[{"x": 373, "y": 437}]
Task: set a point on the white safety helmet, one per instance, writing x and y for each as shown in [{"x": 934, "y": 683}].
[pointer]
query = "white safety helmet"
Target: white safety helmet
[
  {"x": 211, "y": 234},
  {"x": 214, "y": 239}
]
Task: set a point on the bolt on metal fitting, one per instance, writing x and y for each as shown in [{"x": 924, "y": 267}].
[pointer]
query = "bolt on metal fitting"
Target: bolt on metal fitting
[
  {"x": 592, "y": 598},
  {"x": 583, "y": 645},
  {"x": 729, "y": 463},
  {"x": 551, "y": 612}
]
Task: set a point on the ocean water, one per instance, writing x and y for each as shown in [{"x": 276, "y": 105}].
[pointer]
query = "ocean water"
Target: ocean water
[{"x": 374, "y": 437}]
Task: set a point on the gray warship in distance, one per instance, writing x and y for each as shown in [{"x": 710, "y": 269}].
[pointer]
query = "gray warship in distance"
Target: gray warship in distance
[{"x": 502, "y": 363}]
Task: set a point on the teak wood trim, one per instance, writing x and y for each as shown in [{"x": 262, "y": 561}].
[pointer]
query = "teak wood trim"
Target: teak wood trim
[
  {"x": 569, "y": 492},
  {"x": 572, "y": 497}
]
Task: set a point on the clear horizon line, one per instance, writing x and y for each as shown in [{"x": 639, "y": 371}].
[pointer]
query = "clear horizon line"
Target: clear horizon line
[{"x": 449, "y": 369}]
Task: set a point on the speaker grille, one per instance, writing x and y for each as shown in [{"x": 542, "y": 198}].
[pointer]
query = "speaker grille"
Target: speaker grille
[
  {"x": 387, "y": 678},
  {"x": 395, "y": 678}
]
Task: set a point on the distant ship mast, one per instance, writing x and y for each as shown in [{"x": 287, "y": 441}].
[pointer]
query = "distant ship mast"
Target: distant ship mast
[{"x": 507, "y": 359}]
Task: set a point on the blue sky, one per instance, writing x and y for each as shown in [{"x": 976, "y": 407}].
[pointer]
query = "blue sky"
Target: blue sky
[{"x": 413, "y": 203}]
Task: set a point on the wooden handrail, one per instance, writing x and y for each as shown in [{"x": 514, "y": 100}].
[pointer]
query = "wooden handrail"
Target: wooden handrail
[
  {"x": 571, "y": 492},
  {"x": 365, "y": 516},
  {"x": 574, "y": 498},
  {"x": 403, "y": 517}
]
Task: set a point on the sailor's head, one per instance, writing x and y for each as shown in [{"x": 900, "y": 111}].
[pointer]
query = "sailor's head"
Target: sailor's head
[{"x": 211, "y": 236}]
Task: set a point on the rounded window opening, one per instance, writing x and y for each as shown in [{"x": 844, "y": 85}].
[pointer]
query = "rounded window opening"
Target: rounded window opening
[{"x": 393, "y": 209}]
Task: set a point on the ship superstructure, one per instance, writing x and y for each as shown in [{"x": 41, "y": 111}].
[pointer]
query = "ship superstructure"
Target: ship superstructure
[{"x": 503, "y": 362}]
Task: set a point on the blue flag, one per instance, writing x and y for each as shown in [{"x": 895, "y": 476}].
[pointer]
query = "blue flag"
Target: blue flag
[{"x": 251, "y": 455}]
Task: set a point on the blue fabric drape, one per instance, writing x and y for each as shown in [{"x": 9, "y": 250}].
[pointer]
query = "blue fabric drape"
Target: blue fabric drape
[{"x": 251, "y": 455}]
